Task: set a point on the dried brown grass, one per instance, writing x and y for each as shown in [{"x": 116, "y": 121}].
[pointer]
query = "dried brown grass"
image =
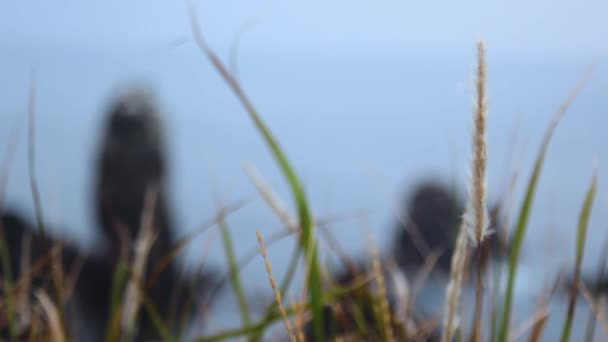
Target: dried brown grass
[{"x": 277, "y": 293}]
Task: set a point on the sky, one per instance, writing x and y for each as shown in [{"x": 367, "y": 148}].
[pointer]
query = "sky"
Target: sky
[{"x": 518, "y": 28}]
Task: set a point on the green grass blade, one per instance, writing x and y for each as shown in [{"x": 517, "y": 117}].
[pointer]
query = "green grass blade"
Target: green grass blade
[
  {"x": 304, "y": 215},
  {"x": 118, "y": 281},
  {"x": 291, "y": 271},
  {"x": 524, "y": 212},
  {"x": 580, "y": 246},
  {"x": 156, "y": 318},
  {"x": 233, "y": 268},
  {"x": 31, "y": 154},
  {"x": 517, "y": 242}
]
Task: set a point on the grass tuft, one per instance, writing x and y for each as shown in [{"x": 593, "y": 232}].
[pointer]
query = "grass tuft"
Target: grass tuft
[
  {"x": 526, "y": 207},
  {"x": 358, "y": 305}
]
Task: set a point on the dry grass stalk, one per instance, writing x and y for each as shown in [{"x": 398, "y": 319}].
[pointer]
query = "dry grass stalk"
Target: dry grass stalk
[
  {"x": 37, "y": 325},
  {"x": 534, "y": 324},
  {"x": 596, "y": 309},
  {"x": 384, "y": 308},
  {"x": 53, "y": 317},
  {"x": 413, "y": 231},
  {"x": 57, "y": 272},
  {"x": 179, "y": 246},
  {"x": 277, "y": 293},
  {"x": 477, "y": 213},
  {"x": 403, "y": 297},
  {"x": 424, "y": 273},
  {"x": 563, "y": 108},
  {"x": 298, "y": 320},
  {"x": 454, "y": 286},
  {"x": 270, "y": 198},
  {"x": 143, "y": 244},
  {"x": 334, "y": 246},
  {"x": 537, "y": 328},
  {"x": 72, "y": 278},
  {"x": 323, "y": 229}
]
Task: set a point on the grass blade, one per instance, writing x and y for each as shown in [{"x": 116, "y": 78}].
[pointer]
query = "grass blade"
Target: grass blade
[
  {"x": 119, "y": 279},
  {"x": 453, "y": 289},
  {"x": 31, "y": 154},
  {"x": 155, "y": 317},
  {"x": 580, "y": 246},
  {"x": 304, "y": 215},
  {"x": 524, "y": 212},
  {"x": 233, "y": 268},
  {"x": 538, "y": 328},
  {"x": 53, "y": 316}
]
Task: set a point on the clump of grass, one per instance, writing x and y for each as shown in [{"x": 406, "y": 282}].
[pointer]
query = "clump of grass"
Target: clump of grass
[
  {"x": 318, "y": 301},
  {"x": 526, "y": 207}
]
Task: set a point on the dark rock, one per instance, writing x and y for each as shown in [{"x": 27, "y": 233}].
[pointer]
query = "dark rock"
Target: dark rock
[
  {"x": 132, "y": 165},
  {"x": 430, "y": 223}
]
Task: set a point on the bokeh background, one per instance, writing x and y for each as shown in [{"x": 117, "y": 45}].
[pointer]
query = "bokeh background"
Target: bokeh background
[{"x": 367, "y": 98}]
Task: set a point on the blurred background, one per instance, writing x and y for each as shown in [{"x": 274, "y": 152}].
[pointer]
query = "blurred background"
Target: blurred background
[{"x": 365, "y": 98}]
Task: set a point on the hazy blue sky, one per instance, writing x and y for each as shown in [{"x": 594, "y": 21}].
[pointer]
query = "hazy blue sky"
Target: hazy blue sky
[{"x": 523, "y": 28}]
